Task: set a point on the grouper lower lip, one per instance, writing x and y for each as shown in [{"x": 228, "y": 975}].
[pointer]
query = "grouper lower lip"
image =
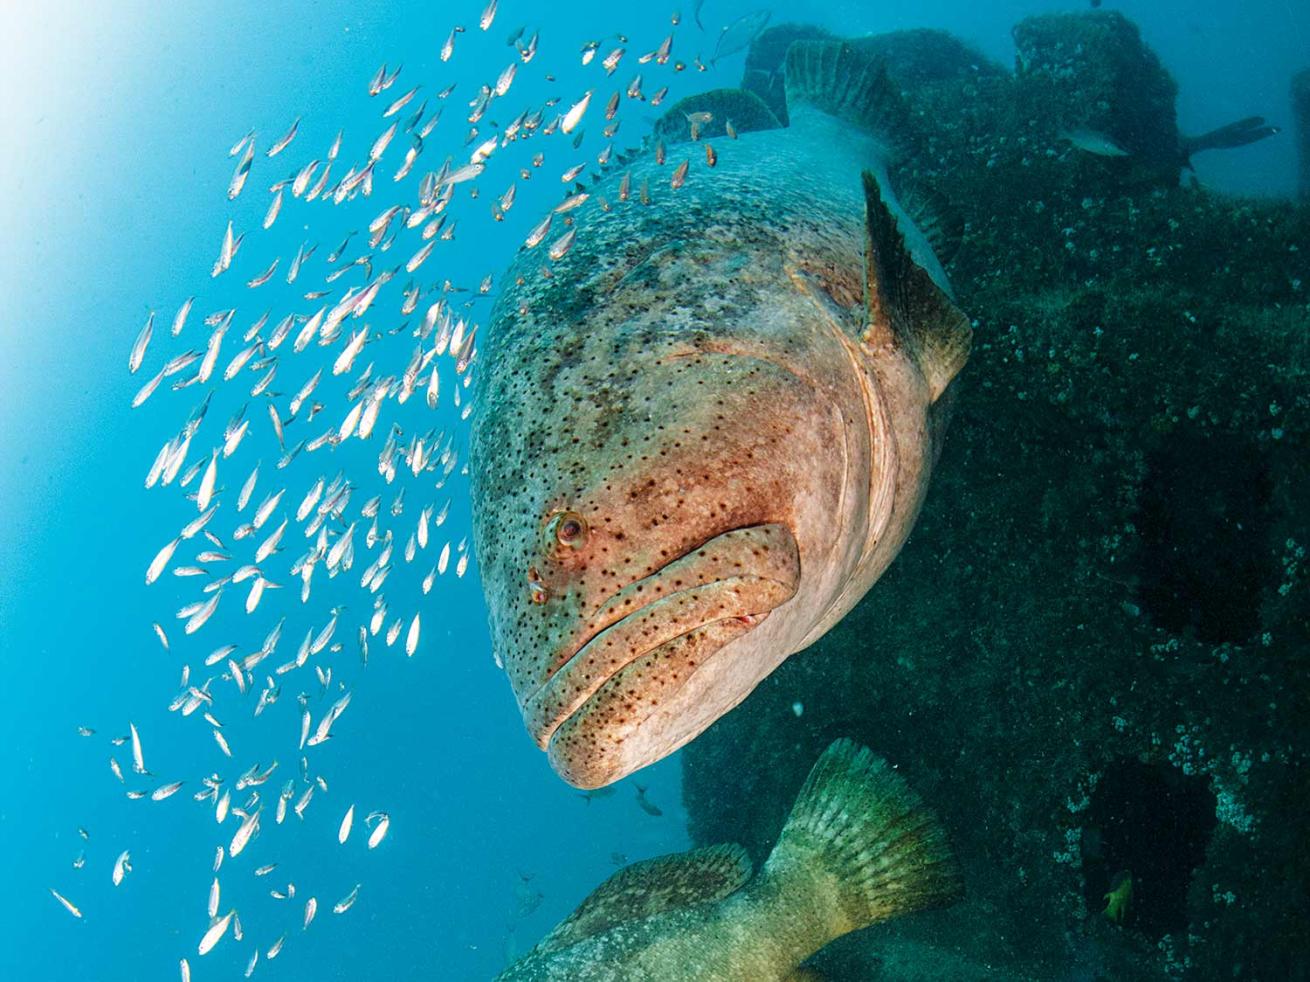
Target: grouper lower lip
[{"x": 734, "y": 581}]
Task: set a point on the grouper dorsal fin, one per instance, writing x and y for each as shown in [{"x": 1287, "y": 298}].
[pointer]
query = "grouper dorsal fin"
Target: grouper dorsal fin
[
  {"x": 834, "y": 78},
  {"x": 653, "y": 886},
  {"x": 904, "y": 307},
  {"x": 745, "y": 110}
]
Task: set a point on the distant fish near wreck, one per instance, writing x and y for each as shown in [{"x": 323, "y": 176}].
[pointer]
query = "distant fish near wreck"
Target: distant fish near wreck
[
  {"x": 1237, "y": 134},
  {"x": 708, "y": 429},
  {"x": 646, "y": 805},
  {"x": 1094, "y": 142},
  {"x": 858, "y": 848},
  {"x": 738, "y": 35}
]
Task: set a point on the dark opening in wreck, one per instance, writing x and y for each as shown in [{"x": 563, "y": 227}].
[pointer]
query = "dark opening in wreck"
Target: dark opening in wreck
[{"x": 1154, "y": 823}]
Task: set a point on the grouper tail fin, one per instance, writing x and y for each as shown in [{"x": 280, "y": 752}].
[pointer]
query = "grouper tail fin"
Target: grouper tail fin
[
  {"x": 866, "y": 842},
  {"x": 836, "y": 79}
]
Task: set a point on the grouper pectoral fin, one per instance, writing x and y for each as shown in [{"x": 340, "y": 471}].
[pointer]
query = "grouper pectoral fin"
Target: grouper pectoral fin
[
  {"x": 904, "y": 306},
  {"x": 653, "y": 886}
]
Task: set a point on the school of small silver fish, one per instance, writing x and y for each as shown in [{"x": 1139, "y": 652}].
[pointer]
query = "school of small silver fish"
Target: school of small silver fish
[{"x": 263, "y": 531}]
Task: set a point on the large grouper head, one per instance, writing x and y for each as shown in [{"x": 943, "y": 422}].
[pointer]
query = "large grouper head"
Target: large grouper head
[{"x": 702, "y": 433}]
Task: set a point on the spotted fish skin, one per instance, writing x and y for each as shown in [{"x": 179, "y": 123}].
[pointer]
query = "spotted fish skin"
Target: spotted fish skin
[
  {"x": 858, "y": 847},
  {"x": 692, "y": 454}
]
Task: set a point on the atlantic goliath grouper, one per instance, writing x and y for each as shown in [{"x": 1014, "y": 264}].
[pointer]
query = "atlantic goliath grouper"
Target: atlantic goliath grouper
[
  {"x": 707, "y": 428},
  {"x": 858, "y": 848}
]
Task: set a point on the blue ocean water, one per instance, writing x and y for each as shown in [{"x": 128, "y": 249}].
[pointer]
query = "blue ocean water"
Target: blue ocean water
[{"x": 113, "y": 194}]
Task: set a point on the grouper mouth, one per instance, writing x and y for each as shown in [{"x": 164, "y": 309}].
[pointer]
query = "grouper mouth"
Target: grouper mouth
[{"x": 649, "y": 638}]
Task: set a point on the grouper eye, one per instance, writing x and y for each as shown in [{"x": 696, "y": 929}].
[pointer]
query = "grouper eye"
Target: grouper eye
[{"x": 571, "y": 530}]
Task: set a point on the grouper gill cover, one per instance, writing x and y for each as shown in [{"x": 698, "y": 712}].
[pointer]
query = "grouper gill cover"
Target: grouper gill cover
[{"x": 708, "y": 427}]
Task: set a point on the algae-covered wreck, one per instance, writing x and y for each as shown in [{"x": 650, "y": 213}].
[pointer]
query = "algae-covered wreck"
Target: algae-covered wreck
[{"x": 1092, "y": 655}]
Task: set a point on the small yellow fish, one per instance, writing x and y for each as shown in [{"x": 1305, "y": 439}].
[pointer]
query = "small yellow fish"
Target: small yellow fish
[{"x": 1120, "y": 897}]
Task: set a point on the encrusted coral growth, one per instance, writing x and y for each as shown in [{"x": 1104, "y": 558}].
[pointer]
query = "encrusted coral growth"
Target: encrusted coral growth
[
  {"x": 1110, "y": 564},
  {"x": 1092, "y": 71}
]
